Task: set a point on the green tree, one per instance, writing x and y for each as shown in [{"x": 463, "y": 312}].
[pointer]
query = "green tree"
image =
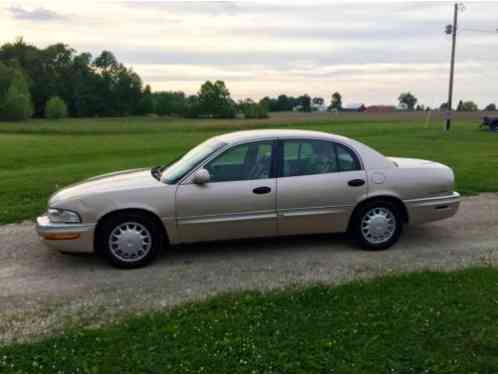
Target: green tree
[
  {"x": 169, "y": 103},
  {"x": 490, "y": 107},
  {"x": 147, "y": 104},
  {"x": 6, "y": 74},
  {"x": 253, "y": 110},
  {"x": 106, "y": 61},
  {"x": 55, "y": 108},
  {"x": 336, "y": 101},
  {"x": 305, "y": 103},
  {"x": 408, "y": 99},
  {"x": 99, "y": 87},
  {"x": 17, "y": 104},
  {"x": 469, "y": 106},
  {"x": 215, "y": 101},
  {"x": 460, "y": 106}
]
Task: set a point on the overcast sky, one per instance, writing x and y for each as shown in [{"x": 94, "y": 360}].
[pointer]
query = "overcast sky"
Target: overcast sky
[{"x": 369, "y": 52}]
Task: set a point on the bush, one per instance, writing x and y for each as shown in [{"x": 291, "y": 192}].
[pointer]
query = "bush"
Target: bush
[
  {"x": 253, "y": 110},
  {"x": 55, "y": 108}
]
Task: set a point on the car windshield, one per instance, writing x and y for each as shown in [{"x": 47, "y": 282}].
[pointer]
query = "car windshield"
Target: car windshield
[{"x": 178, "y": 169}]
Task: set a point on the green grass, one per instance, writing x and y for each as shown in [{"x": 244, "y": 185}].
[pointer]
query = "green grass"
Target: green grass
[
  {"x": 412, "y": 323},
  {"x": 40, "y": 156}
]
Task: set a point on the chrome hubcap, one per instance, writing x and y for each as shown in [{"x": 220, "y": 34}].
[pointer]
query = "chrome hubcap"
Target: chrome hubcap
[
  {"x": 130, "y": 242},
  {"x": 378, "y": 225}
]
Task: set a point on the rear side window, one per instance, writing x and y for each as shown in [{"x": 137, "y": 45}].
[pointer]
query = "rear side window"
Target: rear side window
[
  {"x": 309, "y": 157},
  {"x": 347, "y": 160}
]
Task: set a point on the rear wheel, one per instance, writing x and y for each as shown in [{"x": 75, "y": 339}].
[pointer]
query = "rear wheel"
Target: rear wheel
[
  {"x": 377, "y": 225},
  {"x": 130, "y": 240}
]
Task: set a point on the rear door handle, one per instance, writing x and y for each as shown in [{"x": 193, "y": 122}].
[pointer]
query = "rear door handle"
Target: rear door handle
[
  {"x": 356, "y": 182},
  {"x": 261, "y": 190}
]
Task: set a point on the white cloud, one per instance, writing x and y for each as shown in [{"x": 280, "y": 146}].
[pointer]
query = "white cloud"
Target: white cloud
[{"x": 370, "y": 52}]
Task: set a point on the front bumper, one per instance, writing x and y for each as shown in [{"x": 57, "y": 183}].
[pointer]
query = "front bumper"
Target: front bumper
[
  {"x": 424, "y": 210},
  {"x": 73, "y": 238}
]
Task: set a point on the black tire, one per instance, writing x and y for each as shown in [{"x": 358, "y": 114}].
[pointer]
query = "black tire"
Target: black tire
[
  {"x": 135, "y": 222},
  {"x": 367, "y": 240}
]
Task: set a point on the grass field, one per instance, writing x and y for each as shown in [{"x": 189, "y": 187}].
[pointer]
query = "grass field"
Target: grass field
[
  {"x": 40, "y": 156},
  {"x": 414, "y": 323}
]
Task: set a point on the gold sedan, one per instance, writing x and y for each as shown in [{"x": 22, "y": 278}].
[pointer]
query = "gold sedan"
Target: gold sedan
[{"x": 250, "y": 184}]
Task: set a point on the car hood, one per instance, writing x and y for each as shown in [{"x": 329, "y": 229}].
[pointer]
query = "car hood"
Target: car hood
[{"x": 121, "y": 180}]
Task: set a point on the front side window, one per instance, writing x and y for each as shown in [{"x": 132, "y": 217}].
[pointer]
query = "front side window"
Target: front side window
[
  {"x": 308, "y": 157},
  {"x": 178, "y": 169},
  {"x": 251, "y": 161}
]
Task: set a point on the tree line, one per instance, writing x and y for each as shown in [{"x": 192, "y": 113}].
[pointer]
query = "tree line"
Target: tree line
[{"x": 57, "y": 81}]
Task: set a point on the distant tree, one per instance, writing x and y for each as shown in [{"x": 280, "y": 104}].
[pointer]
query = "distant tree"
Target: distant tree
[
  {"x": 443, "y": 106},
  {"x": 318, "y": 100},
  {"x": 215, "y": 100},
  {"x": 267, "y": 103},
  {"x": 408, "y": 99},
  {"x": 106, "y": 61},
  {"x": 490, "y": 107},
  {"x": 169, "y": 103},
  {"x": 6, "y": 75},
  {"x": 89, "y": 87},
  {"x": 146, "y": 105},
  {"x": 55, "y": 108},
  {"x": 16, "y": 104},
  {"x": 305, "y": 102},
  {"x": 193, "y": 107},
  {"x": 460, "y": 106},
  {"x": 253, "y": 110},
  {"x": 336, "y": 101},
  {"x": 469, "y": 106}
]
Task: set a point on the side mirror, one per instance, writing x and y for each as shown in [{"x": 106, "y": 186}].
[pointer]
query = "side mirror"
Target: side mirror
[{"x": 201, "y": 177}]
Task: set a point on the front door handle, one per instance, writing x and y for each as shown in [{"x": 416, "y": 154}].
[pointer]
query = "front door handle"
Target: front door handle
[
  {"x": 356, "y": 182},
  {"x": 261, "y": 190}
]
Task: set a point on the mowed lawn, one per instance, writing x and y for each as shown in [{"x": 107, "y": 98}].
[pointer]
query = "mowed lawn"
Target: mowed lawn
[
  {"x": 413, "y": 323},
  {"x": 40, "y": 156}
]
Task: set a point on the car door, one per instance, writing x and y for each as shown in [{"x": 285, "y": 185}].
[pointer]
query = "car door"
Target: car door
[
  {"x": 239, "y": 201},
  {"x": 318, "y": 186}
]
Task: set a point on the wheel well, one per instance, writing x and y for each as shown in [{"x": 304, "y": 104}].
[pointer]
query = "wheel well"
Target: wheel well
[
  {"x": 151, "y": 215},
  {"x": 385, "y": 198}
]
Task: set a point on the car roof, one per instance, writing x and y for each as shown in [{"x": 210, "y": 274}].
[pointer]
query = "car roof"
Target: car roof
[
  {"x": 371, "y": 159},
  {"x": 252, "y": 135}
]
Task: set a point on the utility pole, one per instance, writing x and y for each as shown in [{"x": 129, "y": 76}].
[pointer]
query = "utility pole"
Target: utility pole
[{"x": 451, "y": 29}]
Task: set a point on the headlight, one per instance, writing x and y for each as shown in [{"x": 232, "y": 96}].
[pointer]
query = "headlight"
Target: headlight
[{"x": 56, "y": 215}]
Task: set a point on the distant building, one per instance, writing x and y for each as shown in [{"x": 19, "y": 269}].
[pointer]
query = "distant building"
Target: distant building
[
  {"x": 380, "y": 108},
  {"x": 354, "y": 107}
]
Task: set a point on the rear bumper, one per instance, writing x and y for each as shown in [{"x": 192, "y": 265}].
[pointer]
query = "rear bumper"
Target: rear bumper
[
  {"x": 424, "y": 210},
  {"x": 73, "y": 238}
]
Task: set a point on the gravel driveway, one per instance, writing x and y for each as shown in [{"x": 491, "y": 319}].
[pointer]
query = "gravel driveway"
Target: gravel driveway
[{"x": 43, "y": 291}]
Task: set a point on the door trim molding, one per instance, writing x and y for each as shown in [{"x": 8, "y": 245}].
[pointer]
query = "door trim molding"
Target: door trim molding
[
  {"x": 246, "y": 216},
  {"x": 320, "y": 210}
]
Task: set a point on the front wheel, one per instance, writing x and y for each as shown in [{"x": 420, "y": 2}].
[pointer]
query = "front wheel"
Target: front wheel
[
  {"x": 377, "y": 225},
  {"x": 130, "y": 240}
]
